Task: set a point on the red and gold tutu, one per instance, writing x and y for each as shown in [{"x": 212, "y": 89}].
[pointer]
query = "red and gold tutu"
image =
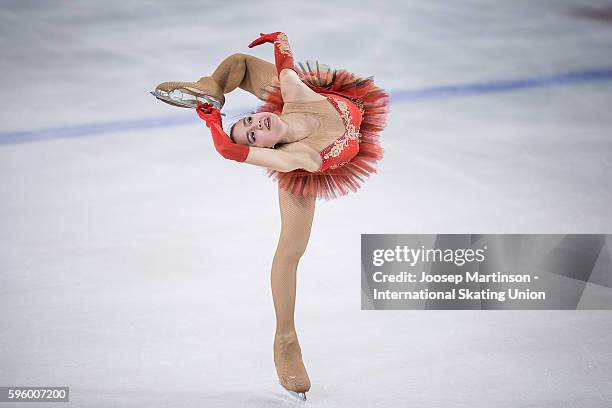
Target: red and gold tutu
[{"x": 338, "y": 179}]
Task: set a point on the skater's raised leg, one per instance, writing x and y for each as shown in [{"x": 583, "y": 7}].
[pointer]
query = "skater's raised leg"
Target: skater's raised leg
[{"x": 242, "y": 71}]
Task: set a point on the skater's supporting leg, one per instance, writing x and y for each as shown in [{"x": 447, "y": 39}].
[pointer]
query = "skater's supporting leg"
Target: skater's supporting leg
[
  {"x": 296, "y": 221},
  {"x": 297, "y": 214}
]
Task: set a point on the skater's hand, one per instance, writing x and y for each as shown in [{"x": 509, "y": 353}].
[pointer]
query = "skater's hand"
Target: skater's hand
[
  {"x": 209, "y": 114},
  {"x": 222, "y": 141},
  {"x": 283, "y": 57},
  {"x": 264, "y": 38}
]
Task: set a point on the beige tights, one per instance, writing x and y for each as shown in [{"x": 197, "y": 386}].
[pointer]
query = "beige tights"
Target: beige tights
[
  {"x": 254, "y": 75},
  {"x": 296, "y": 220},
  {"x": 242, "y": 71},
  {"x": 245, "y": 72}
]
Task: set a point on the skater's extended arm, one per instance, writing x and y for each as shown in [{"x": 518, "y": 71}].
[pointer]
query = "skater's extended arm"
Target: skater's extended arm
[
  {"x": 292, "y": 87},
  {"x": 275, "y": 159},
  {"x": 290, "y": 156},
  {"x": 283, "y": 56}
]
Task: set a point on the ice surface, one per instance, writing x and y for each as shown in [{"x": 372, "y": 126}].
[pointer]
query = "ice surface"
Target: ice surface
[{"x": 130, "y": 262}]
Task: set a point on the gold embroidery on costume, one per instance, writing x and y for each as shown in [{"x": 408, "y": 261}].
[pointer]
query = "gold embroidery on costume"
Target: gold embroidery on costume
[
  {"x": 359, "y": 106},
  {"x": 351, "y": 132},
  {"x": 335, "y": 166},
  {"x": 283, "y": 44}
]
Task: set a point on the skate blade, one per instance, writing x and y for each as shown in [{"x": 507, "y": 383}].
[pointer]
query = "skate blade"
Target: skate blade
[
  {"x": 299, "y": 395},
  {"x": 184, "y": 99}
]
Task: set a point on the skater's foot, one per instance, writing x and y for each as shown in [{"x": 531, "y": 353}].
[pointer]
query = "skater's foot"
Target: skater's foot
[
  {"x": 189, "y": 94},
  {"x": 290, "y": 368}
]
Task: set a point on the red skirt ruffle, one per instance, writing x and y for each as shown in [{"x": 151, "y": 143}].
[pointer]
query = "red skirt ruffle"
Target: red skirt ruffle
[{"x": 373, "y": 103}]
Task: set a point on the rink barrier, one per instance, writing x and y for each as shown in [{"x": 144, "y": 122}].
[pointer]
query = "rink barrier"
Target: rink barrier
[{"x": 436, "y": 92}]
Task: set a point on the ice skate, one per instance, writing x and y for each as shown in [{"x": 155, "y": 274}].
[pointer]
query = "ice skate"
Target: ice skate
[
  {"x": 290, "y": 368},
  {"x": 189, "y": 94},
  {"x": 299, "y": 395}
]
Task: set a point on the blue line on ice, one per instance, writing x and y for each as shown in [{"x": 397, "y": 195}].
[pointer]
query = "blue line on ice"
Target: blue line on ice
[
  {"x": 479, "y": 88},
  {"x": 445, "y": 91}
]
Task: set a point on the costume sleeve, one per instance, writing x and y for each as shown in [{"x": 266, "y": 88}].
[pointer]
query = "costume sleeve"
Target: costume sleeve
[{"x": 283, "y": 56}]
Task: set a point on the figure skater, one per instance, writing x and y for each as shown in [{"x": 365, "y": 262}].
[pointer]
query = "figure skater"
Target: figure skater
[{"x": 317, "y": 134}]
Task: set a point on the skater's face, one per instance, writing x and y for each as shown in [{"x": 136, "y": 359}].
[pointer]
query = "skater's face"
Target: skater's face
[{"x": 263, "y": 129}]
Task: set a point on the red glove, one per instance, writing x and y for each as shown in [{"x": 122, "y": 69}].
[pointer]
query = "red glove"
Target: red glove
[
  {"x": 223, "y": 144},
  {"x": 283, "y": 57}
]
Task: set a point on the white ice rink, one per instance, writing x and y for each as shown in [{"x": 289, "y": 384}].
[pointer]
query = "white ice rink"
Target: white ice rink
[{"x": 131, "y": 266}]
